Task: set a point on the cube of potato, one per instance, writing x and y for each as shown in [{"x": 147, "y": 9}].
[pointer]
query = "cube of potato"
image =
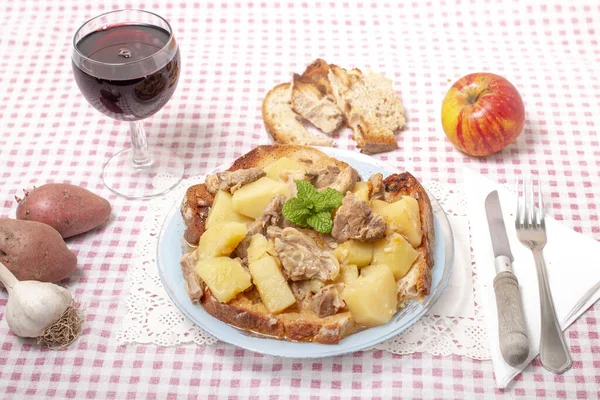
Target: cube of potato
[
  {"x": 274, "y": 170},
  {"x": 251, "y": 199},
  {"x": 225, "y": 277},
  {"x": 221, "y": 239},
  {"x": 222, "y": 210},
  {"x": 378, "y": 205},
  {"x": 354, "y": 252},
  {"x": 395, "y": 252},
  {"x": 413, "y": 207},
  {"x": 272, "y": 286},
  {"x": 259, "y": 247},
  {"x": 361, "y": 190},
  {"x": 370, "y": 268},
  {"x": 348, "y": 274},
  {"x": 403, "y": 217},
  {"x": 371, "y": 298}
]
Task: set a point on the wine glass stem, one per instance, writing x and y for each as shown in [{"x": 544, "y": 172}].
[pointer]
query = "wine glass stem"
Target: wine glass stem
[{"x": 139, "y": 144}]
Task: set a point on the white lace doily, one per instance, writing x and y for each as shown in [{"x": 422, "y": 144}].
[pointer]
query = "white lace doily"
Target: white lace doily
[{"x": 152, "y": 319}]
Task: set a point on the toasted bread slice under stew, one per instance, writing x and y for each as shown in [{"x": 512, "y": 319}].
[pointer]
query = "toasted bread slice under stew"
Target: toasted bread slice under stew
[
  {"x": 299, "y": 322},
  {"x": 296, "y": 323}
]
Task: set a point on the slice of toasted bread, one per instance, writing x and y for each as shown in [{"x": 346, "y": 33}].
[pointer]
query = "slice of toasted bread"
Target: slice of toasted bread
[
  {"x": 327, "y": 95},
  {"x": 283, "y": 124},
  {"x": 296, "y": 323},
  {"x": 309, "y": 157},
  {"x": 299, "y": 322},
  {"x": 371, "y": 107},
  {"x": 311, "y": 97}
]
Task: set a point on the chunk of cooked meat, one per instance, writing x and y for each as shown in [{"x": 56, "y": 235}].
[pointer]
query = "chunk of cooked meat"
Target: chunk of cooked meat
[
  {"x": 355, "y": 220},
  {"x": 193, "y": 284},
  {"x": 376, "y": 188},
  {"x": 301, "y": 257},
  {"x": 301, "y": 290},
  {"x": 327, "y": 241},
  {"x": 328, "y": 300},
  {"x": 332, "y": 177},
  {"x": 230, "y": 181},
  {"x": 322, "y": 178},
  {"x": 271, "y": 217},
  {"x": 242, "y": 248},
  {"x": 346, "y": 180}
]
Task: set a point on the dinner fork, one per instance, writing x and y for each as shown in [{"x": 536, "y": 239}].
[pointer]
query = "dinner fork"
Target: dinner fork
[{"x": 531, "y": 231}]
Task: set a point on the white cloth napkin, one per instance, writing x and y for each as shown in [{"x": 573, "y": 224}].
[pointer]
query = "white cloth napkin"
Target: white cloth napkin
[{"x": 572, "y": 261}]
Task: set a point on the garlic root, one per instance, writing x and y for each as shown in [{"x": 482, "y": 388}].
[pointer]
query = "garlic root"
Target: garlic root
[
  {"x": 40, "y": 310},
  {"x": 64, "y": 331}
]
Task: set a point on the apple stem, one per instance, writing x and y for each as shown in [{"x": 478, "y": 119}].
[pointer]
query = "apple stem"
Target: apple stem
[{"x": 487, "y": 89}]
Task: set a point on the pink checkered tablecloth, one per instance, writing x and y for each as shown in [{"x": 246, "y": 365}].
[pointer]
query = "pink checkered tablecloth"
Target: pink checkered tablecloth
[{"x": 232, "y": 53}]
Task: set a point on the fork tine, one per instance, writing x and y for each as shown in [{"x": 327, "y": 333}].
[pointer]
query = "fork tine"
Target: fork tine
[
  {"x": 518, "y": 212},
  {"x": 532, "y": 213},
  {"x": 541, "y": 219},
  {"x": 526, "y": 210},
  {"x": 522, "y": 203}
]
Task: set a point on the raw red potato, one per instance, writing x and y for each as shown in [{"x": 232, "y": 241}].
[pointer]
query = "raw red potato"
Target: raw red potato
[
  {"x": 69, "y": 209},
  {"x": 35, "y": 251}
]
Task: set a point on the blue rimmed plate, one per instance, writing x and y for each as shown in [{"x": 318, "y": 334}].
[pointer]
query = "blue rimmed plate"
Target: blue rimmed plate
[{"x": 170, "y": 250}]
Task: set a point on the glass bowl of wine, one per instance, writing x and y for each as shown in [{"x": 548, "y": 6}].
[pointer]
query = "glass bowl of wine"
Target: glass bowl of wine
[{"x": 126, "y": 64}]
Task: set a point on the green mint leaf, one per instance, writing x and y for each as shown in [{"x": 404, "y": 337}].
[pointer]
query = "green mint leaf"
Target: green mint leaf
[
  {"x": 311, "y": 207},
  {"x": 327, "y": 200},
  {"x": 321, "y": 222},
  {"x": 306, "y": 191},
  {"x": 295, "y": 210}
]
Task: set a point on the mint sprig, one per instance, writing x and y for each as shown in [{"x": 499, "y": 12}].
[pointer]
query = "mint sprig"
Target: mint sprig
[{"x": 311, "y": 207}]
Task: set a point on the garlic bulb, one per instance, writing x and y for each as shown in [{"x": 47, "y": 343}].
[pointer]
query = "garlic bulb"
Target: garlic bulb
[
  {"x": 40, "y": 310},
  {"x": 33, "y": 306}
]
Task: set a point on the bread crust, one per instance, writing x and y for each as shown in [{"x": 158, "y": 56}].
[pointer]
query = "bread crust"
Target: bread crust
[
  {"x": 299, "y": 323},
  {"x": 370, "y": 142},
  {"x": 263, "y": 155},
  {"x": 194, "y": 210},
  {"x": 270, "y": 123},
  {"x": 282, "y": 123}
]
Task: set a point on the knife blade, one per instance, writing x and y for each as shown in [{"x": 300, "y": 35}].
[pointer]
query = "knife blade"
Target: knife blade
[
  {"x": 512, "y": 331},
  {"x": 493, "y": 211}
]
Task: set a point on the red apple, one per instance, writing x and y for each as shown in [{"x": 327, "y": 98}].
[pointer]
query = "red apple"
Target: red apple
[{"x": 482, "y": 113}]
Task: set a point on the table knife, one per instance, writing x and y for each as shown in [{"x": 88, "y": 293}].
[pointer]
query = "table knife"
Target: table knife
[{"x": 514, "y": 343}]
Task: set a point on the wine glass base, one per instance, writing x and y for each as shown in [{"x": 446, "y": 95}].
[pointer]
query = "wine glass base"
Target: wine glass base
[{"x": 157, "y": 177}]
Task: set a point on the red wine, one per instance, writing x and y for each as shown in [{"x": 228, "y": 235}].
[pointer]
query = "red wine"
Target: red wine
[{"x": 127, "y": 72}]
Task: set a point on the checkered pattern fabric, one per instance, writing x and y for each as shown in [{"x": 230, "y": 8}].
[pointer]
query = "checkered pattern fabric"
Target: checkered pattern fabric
[{"x": 232, "y": 53}]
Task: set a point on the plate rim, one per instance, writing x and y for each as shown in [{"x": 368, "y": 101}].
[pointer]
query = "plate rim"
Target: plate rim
[{"x": 327, "y": 350}]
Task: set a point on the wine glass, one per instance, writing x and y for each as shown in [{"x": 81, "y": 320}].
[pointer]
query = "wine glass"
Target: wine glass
[{"x": 126, "y": 64}]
